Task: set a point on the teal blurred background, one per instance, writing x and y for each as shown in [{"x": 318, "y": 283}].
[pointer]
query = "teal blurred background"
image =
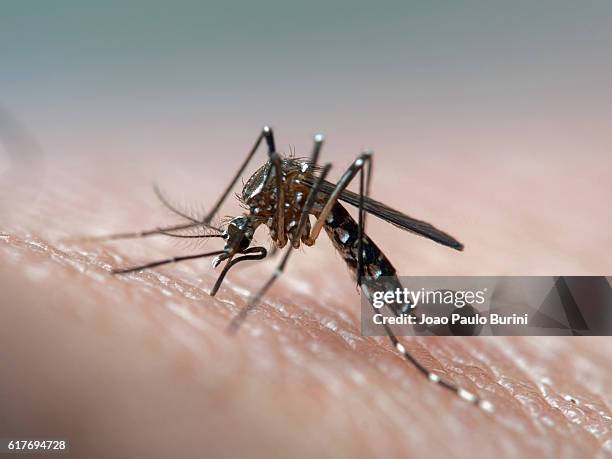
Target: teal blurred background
[
  {"x": 433, "y": 77},
  {"x": 491, "y": 120}
]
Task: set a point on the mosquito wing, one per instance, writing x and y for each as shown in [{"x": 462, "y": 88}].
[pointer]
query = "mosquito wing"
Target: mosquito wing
[{"x": 395, "y": 217}]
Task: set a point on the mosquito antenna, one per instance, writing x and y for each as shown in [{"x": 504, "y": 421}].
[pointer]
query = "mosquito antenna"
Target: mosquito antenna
[
  {"x": 364, "y": 189},
  {"x": 138, "y": 234},
  {"x": 169, "y": 206}
]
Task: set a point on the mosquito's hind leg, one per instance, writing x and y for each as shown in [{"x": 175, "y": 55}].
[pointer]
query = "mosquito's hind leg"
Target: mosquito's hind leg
[{"x": 433, "y": 377}]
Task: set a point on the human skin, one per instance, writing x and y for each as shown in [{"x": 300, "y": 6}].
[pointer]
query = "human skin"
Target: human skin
[{"x": 141, "y": 365}]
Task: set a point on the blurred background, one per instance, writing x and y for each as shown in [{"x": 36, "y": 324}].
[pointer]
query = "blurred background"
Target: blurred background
[
  {"x": 492, "y": 120},
  {"x": 471, "y": 107}
]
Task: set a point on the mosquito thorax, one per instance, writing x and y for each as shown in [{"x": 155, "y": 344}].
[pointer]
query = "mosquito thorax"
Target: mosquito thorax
[{"x": 259, "y": 195}]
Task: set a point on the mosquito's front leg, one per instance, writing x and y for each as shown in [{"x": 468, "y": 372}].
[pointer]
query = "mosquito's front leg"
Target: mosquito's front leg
[
  {"x": 275, "y": 160},
  {"x": 267, "y": 134}
]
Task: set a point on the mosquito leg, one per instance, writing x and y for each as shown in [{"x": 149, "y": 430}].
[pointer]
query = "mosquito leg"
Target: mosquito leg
[
  {"x": 364, "y": 189},
  {"x": 276, "y": 161},
  {"x": 167, "y": 261},
  {"x": 260, "y": 254},
  {"x": 268, "y": 135},
  {"x": 350, "y": 173},
  {"x": 316, "y": 150},
  {"x": 238, "y": 174},
  {"x": 277, "y": 167},
  {"x": 466, "y": 395},
  {"x": 311, "y": 167},
  {"x": 254, "y": 300}
]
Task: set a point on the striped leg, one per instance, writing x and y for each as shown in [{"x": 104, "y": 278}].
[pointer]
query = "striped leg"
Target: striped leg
[
  {"x": 364, "y": 186},
  {"x": 466, "y": 395}
]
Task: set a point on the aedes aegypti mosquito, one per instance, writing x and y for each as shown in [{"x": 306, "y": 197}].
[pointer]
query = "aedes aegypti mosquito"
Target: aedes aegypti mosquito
[{"x": 282, "y": 195}]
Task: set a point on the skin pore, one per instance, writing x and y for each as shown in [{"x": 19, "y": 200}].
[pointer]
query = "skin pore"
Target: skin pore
[{"x": 141, "y": 365}]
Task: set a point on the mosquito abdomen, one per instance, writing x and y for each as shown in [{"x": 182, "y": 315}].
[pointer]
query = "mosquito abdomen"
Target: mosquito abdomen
[{"x": 378, "y": 272}]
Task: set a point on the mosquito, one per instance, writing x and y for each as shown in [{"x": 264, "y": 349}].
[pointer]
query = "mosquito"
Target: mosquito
[{"x": 282, "y": 195}]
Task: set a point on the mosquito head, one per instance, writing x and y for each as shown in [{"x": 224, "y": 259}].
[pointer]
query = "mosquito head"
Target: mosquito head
[{"x": 238, "y": 237}]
